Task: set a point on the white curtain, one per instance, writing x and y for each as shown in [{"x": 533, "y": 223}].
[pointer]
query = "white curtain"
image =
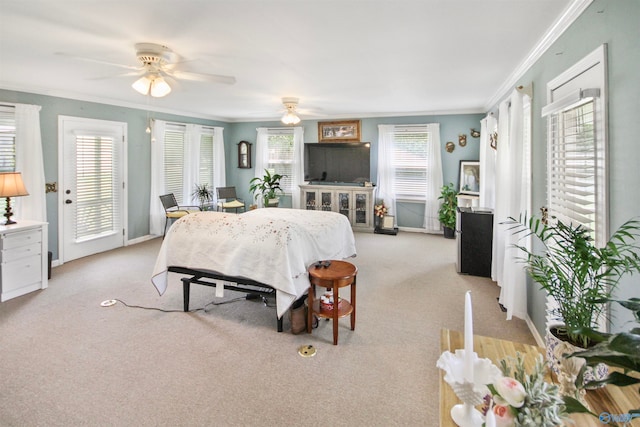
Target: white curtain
[
  {"x": 434, "y": 180},
  {"x": 262, "y": 156},
  {"x": 488, "y": 126},
  {"x": 156, "y": 211},
  {"x": 511, "y": 184},
  {"x": 30, "y": 163},
  {"x": 386, "y": 171},
  {"x": 190, "y": 168},
  {"x": 297, "y": 167},
  {"x": 219, "y": 168}
]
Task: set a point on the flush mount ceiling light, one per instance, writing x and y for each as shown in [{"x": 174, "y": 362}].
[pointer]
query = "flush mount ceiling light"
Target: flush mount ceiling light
[{"x": 290, "y": 117}]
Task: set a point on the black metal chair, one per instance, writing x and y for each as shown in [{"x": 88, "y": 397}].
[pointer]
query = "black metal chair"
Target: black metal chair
[
  {"x": 173, "y": 211},
  {"x": 227, "y": 199}
]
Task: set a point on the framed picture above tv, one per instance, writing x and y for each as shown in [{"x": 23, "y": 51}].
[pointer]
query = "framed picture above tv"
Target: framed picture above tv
[{"x": 346, "y": 130}]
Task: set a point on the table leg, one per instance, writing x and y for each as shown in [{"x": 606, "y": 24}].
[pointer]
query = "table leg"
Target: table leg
[
  {"x": 336, "y": 300},
  {"x": 312, "y": 292},
  {"x": 353, "y": 304}
]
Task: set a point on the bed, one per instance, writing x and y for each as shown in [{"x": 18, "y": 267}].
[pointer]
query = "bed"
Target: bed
[{"x": 263, "y": 251}]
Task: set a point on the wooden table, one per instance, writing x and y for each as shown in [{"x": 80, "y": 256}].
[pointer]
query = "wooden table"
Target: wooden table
[
  {"x": 610, "y": 399},
  {"x": 336, "y": 275}
]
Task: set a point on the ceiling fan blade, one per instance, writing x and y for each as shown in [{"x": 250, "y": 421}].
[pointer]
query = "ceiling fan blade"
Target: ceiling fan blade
[
  {"x": 98, "y": 61},
  {"x": 140, "y": 72},
  {"x": 214, "y": 78}
]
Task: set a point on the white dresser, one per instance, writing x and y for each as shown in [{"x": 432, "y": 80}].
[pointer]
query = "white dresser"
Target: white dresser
[{"x": 23, "y": 258}]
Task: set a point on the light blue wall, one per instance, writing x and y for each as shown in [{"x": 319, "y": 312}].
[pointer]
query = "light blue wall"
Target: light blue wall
[
  {"x": 409, "y": 215},
  {"x": 614, "y": 22},
  {"x": 139, "y": 152}
]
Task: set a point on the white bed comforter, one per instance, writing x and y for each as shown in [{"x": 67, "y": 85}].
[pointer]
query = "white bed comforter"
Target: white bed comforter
[{"x": 273, "y": 246}]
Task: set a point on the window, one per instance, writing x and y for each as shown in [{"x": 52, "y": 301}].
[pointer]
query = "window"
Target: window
[
  {"x": 280, "y": 156},
  {"x": 7, "y": 139},
  {"x": 205, "y": 170},
  {"x": 97, "y": 195},
  {"x": 410, "y": 160},
  {"x": 174, "y": 160},
  {"x": 177, "y": 163},
  {"x": 576, "y": 180}
]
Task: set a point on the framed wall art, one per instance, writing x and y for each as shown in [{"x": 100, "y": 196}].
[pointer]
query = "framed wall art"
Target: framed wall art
[
  {"x": 346, "y": 130},
  {"x": 244, "y": 155},
  {"x": 469, "y": 177}
]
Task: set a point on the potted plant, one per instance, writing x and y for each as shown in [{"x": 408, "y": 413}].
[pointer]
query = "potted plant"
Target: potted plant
[
  {"x": 204, "y": 195},
  {"x": 620, "y": 350},
  {"x": 448, "y": 210},
  {"x": 267, "y": 188},
  {"x": 578, "y": 275}
]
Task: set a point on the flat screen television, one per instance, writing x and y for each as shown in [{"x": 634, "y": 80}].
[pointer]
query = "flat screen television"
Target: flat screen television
[{"x": 337, "y": 163}]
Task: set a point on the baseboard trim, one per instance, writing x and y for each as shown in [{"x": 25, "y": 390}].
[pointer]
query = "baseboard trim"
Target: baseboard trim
[
  {"x": 534, "y": 332},
  {"x": 141, "y": 239}
]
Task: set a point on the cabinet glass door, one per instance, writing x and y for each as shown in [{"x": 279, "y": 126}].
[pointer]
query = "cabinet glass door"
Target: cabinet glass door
[
  {"x": 310, "y": 198},
  {"x": 327, "y": 200},
  {"x": 344, "y": 203},
  {"x": 362, "y": 213}
]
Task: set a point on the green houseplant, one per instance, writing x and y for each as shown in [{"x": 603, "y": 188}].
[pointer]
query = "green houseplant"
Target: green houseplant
[
  {"x": 448, "y": 210},
  {"x": 620, "y": 350},
  {"x": 576, "y": 273},
  {"x": 204, "y": 194},
  {"x": 267, "y": 188}
]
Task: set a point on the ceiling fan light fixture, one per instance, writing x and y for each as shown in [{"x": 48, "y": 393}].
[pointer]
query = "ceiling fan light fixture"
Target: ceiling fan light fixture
[
  {"x": 153, "y": 85},
  {"x": 143, "y": 84},
  {"x": 290, "y": 118},
  {"x": 159, "y": 88}
]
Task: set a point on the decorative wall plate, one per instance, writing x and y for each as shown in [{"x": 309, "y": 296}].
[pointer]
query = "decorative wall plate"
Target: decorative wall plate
[{"x": 450, "y": 146}]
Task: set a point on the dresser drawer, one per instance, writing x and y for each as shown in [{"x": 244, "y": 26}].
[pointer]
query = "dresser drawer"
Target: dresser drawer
[
  {"x": 22, "y": 272},
  {"x": 9, "y": 255},
  {"x": 21, "y": 238}
]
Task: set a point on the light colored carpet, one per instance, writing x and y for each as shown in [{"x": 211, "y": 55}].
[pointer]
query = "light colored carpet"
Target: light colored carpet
[{"x": 67, "y": 361}]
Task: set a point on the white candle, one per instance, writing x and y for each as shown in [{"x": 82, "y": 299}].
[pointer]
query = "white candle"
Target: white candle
[
  {"x": 490, "y": 419},
  {"x": 468, "y": 339}
]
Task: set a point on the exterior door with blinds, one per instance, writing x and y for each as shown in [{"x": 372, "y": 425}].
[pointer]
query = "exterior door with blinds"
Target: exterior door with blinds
[{"x": 92, "y": 199}]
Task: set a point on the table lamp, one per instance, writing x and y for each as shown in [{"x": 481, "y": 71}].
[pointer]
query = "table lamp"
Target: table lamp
[{"x": 11, "y": 185}]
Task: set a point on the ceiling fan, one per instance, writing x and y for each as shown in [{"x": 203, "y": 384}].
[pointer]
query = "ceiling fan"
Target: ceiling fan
[
  {"x": 290, "y": 116},
  {"x": 156, "y": 63}
]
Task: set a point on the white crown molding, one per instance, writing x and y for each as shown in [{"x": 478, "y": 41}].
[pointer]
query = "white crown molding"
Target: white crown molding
[
  {"x": 111, "y": 102},
  {"x": 560, "y": 25}
]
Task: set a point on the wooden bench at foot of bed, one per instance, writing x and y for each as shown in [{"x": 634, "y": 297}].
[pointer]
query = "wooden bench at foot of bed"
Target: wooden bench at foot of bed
[{"x": 209, "y": 278}]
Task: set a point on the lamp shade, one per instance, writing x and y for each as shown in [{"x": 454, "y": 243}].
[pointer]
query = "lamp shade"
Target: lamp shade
[{"x": 11, "y": 185}]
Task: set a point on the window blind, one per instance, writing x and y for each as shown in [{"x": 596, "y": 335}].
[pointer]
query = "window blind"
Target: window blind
[
  {"x": 96, "y": 186},
  {"x": 573, "y": 165},
  {"x": 281, "y": 156},
  {"x": 174, "y": 160},
  {"x": 7, "y": 140},
  {"x": 205, "y": 170},
  {"x": 410, "y": 160}
]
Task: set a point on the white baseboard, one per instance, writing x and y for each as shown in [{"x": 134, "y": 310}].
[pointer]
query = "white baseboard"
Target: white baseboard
[
  {"x": 534, "y": 332},
  {"x": 141, "y": 239}
]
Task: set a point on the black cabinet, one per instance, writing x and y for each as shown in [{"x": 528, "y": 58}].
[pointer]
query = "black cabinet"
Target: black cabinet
[{"x": 475, "y": 240}]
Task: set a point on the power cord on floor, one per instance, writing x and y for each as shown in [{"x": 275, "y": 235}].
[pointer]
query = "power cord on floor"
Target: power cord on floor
[{"x": 212, "y": 303}]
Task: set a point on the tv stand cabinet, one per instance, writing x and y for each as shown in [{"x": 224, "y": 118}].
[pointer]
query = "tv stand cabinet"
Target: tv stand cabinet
[{"x": 355, "y": 202}]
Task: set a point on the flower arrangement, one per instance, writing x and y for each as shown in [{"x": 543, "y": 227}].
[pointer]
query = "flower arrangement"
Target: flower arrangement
[
  {"x": 380, "y": 210},
  {"x": 519, "y": 399}
]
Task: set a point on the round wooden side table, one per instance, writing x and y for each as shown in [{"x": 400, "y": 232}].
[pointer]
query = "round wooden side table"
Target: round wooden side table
[{"x": 338, "y": 274}]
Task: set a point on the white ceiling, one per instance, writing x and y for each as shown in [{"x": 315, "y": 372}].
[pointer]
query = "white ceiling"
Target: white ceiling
[{"x": 342, "y": 58}]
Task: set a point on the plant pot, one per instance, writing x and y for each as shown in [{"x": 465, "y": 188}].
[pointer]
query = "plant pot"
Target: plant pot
[
  {"x": 449, "y": 233},
  {"x": 273, "y": 203},
  {"x": 566, "y": 369}
]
